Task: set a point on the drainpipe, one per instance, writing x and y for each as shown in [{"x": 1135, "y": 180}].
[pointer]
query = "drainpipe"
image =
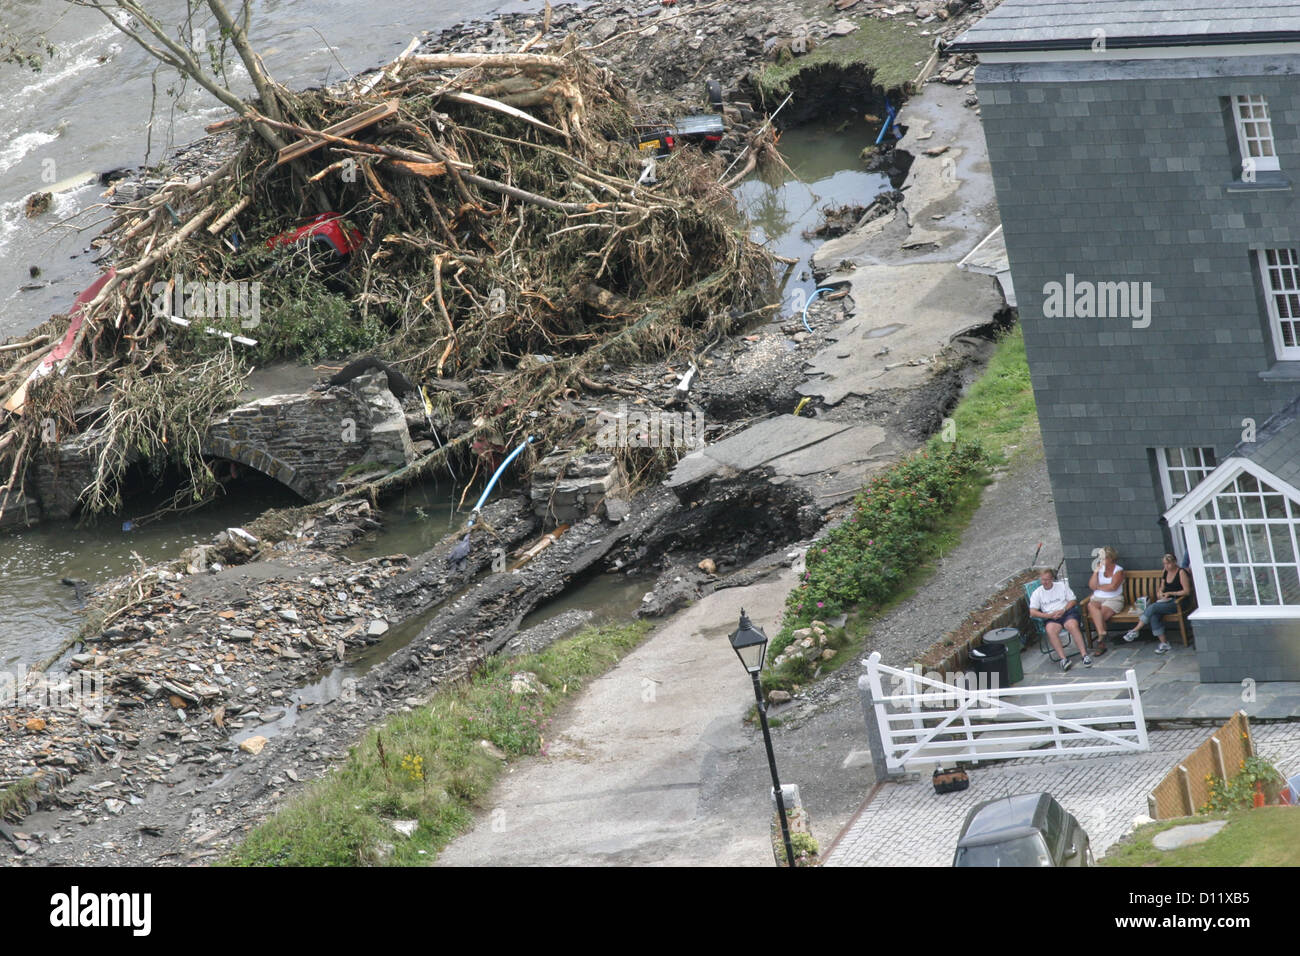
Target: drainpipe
[
  {"x": 495, "y": 476},
  {"x": 889, "y": 121}
]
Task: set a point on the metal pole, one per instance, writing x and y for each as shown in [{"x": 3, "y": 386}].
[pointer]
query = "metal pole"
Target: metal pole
[{"x": 776, "y": 782}]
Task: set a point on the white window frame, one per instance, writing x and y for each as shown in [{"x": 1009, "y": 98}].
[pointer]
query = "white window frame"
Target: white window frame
[
  {"x": 1193, "y": 475},
  {"x": 1255, "y": 131},
  {"x": 1281, "y": 282},
  {"x": 1225, "y": 475}
]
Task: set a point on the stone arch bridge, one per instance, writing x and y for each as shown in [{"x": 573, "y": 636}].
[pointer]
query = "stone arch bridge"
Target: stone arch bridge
[{"x": 307, "y": 441}]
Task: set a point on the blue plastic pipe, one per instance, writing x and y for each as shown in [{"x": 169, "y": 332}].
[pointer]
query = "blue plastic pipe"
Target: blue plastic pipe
[
  {"x": 816, "y": 293},
  {"x": 495, "y": 476},
  {"x": 889, "y": 121}
]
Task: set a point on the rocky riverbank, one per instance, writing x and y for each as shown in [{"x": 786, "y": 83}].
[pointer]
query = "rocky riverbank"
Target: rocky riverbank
[{"x": 200, "y": 724}]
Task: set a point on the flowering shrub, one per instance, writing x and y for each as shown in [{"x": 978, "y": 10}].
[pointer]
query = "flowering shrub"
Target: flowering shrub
[
  {"x": 864, "y": 560},
  {"x": 1239, "y": 792},
  {"x": 413, "y": 764}
]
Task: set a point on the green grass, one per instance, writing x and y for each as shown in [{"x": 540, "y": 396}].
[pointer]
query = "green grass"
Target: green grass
[
  {"x": 941, "y": 539},
  {"x": 1268, "y": 836},
  {"x": 892, "y": 51},
  {"x": 998, "y": 410},
  {"x": 429, "y": 764},
  {"x": 998, "y": 413},
  {"x": 13, "y": 798}
]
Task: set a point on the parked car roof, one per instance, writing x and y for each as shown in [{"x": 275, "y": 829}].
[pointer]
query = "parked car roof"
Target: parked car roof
[
  {"x": 1005, "y": 818},
  {"x": 1003, "y": 835}
]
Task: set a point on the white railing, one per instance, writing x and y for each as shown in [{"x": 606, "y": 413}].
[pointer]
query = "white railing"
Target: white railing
[{"x": 924, "y": 721}]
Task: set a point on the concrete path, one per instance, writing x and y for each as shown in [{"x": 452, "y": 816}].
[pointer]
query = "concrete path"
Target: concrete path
[{"x": 637, "y": 770}]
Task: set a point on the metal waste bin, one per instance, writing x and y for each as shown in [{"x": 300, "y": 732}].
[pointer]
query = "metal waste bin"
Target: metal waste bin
[
  {"x": 1009, "y": 638},
  {"x": 989, "y": 663}
]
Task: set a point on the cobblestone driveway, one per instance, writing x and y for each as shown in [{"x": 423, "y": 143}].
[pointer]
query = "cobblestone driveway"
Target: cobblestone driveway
[{"x": 908, "y": 824}]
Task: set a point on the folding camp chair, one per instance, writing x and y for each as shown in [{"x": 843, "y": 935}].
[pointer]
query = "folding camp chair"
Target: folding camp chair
[{"x": 1044, "y": 645}]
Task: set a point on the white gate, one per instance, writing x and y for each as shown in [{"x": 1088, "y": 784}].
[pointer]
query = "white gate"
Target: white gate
[{"x": 924, "y": 722}]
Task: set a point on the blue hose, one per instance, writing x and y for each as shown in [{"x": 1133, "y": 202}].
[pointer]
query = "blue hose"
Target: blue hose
[
  {"x": 496, "y": 475},
  {"x": 889, "y": 121},
  {"x": 816, "y": 293}
]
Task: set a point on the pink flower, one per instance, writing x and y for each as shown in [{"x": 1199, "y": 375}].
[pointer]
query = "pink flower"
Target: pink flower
[{"x": 820, "y": 604}]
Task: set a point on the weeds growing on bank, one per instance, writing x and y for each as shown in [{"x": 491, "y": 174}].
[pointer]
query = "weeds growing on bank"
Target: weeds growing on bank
[
  {"x": 431, "y": 765},
  {"x": 998, "y": 411},
  {"x": 908, "y": 515}
]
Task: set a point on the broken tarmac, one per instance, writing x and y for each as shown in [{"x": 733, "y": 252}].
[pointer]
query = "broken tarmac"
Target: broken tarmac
[{"x": 674, "y": 778}]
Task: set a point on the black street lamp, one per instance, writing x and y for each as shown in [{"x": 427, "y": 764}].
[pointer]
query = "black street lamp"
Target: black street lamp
[{"x": 750, "y": 645}]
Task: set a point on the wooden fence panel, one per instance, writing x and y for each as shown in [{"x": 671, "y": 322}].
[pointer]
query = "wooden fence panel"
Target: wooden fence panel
[{"x": 1186, "y": 788}]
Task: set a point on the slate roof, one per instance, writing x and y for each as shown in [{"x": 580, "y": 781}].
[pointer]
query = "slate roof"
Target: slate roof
[
  {"x": 1070, "y": 24},
  {"x": 1276, "y": 448}
]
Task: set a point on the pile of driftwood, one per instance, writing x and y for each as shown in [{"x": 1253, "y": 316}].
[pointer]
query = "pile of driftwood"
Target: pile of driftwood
[{"x": 512, "y": 240}]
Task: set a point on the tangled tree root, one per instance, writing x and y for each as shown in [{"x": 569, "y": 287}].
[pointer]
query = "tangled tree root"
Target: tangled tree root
[{"x": 511, "y": 246}]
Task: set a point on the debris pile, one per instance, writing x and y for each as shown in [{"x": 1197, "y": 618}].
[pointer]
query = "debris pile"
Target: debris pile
[
  {"x": 480, "y": 219},
  {"x": 173, "y": 680}
]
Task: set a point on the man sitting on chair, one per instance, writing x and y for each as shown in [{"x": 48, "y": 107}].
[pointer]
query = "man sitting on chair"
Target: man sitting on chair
[{"x": 1056, "y": 606}]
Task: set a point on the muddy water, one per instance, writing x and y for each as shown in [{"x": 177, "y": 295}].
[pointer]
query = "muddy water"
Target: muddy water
[
  {"x": 37, "y": 612},
  {"x": 610, "y": 597},
  {"x": 89, "y": 108},
  {"x": 415, "y": 519},
  {"x": 828, "y": 171}
]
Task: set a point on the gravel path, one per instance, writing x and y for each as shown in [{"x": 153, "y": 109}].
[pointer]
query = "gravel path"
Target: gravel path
[{"x": 1016, "y": 513}]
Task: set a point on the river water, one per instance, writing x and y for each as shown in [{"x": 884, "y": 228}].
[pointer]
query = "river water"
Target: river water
[{"x": 88, "y": 111}]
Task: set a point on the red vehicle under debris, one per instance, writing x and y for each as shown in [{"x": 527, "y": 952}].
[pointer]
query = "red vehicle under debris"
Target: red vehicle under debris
[{"x": 325, "y": 233}]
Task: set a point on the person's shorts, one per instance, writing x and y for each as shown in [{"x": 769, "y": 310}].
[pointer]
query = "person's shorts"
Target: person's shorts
[
  {"x": 1116, "y": 604},
  {"x": 1071, "y": 615}
]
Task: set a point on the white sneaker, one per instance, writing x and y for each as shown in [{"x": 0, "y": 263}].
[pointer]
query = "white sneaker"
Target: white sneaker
[{"x": 1131, "y": 636}]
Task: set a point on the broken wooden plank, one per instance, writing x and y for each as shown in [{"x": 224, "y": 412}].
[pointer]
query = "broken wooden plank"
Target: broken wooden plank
[
  {"x": 472, "y": 99},
  {"x": 420, "y": 169},
  {"x": 345, "y": 127},
  {"x": 229, "y": 215}
]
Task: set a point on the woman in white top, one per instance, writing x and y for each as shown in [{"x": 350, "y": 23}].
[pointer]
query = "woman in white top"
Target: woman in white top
[{"x": 1107, "y": 599}]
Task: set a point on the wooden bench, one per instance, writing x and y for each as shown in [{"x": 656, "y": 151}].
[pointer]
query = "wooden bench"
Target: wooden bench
[{"x": 1137, "y": 584}]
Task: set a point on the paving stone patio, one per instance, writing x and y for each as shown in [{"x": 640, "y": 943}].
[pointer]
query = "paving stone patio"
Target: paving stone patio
[
  {"x": 908, "y": 824},
  {"x": 1170, "y": 683}
]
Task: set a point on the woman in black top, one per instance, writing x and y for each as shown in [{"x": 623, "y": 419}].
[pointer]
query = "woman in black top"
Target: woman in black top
[{"x": 1174, "y": 586}]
